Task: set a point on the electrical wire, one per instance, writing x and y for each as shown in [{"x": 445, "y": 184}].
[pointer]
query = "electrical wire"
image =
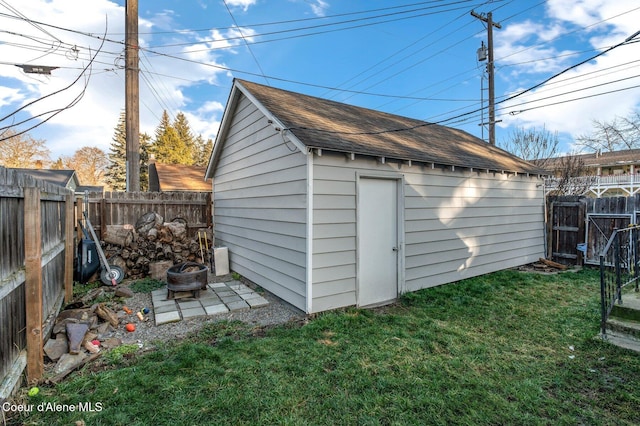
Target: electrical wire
[
  {"x": 312, "y": 27},
  {"x": 244, "y": 39},
  {"x": 466, "y": 114},
  {"x": 54, "y": 112}
]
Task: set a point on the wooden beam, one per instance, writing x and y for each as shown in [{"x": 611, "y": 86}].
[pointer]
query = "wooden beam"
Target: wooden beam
[
  {"x": 68, "y": 249},
  {"x": 33, "y": 284}
]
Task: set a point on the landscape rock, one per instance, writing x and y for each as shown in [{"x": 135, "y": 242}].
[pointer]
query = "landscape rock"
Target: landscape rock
[
  {"x": 92, "y": 295},
  {"x": 68, "y": 362},
  {"x": 55, "y": 348},
  {"x": 60, "y": 325},
  {"x": 104, "y": 328},
  {"x": 123, "y": 291},
  {"x": 111, "y": 343},
  {"x": 82, "y": 314},
  {"x": 75, "y": 335}
]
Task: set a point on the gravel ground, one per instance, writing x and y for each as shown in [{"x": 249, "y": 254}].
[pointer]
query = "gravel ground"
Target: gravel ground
[{"x": 277, "y": 312}]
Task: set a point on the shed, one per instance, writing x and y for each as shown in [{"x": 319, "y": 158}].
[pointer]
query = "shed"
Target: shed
[{"x": 329, "y": 205}]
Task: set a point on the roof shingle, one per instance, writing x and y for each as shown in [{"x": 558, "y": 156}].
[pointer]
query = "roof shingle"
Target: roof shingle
[{"x": 329, "y": 125}]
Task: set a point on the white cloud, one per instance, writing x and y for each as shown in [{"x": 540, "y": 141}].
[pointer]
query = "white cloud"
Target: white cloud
[
  {"x": 9, "y": 96},
  {"x": 532, "y": 52},
  {"x": 163, "y": 80},
  {"x": 244, "y": 4},
  {"x": 319, "y": 7}
]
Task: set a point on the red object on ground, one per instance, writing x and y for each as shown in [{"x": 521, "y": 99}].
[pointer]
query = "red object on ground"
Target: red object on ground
[
  {"x": 96, "y": 342},
  {"x": 130, "y": 327}
]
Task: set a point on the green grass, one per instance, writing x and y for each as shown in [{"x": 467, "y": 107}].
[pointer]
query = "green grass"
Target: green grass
[
  {"x": 491, "y": 350},
  {"x": 146, "y": 285}
]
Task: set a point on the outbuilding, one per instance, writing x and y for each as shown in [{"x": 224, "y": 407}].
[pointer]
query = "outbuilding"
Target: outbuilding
[{"x": 330, "y": 205}]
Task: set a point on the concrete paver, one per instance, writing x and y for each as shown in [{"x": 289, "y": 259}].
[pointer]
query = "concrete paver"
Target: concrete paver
[
  {"x": 164, "y": 308},
  {"x": 219, "y": 298},
  {"x": 193, "y": 312},
  {"x": 239, "y": 306},
  {"x": 257, "y": 302},
  {"x": 167, "y": 317},
  {"x": 231, "y": 299},
  {"x": 189, "y": 304},
  {"x": 216, "y": 309}
]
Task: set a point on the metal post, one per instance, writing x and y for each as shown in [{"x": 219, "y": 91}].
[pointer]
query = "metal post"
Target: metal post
[
  {"x": 603, "y": 299},
  {"x": 616, "y": 260},
  {"x": 636, "y": 256}
]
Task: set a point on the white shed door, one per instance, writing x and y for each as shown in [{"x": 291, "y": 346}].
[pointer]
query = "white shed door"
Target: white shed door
[{"x": 377, "y": 241}]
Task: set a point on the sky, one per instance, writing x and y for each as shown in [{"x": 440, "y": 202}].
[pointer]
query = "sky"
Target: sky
[{"x": 559, "y": 64}]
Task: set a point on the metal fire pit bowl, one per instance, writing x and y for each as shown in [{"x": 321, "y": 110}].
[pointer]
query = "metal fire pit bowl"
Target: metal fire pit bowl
[{"x": 187, "y": 276}]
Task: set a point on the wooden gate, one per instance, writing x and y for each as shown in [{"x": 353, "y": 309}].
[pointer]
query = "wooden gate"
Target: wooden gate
[
  {"x": 566, "y": 230},
  {"x": 600, "y": 228}
]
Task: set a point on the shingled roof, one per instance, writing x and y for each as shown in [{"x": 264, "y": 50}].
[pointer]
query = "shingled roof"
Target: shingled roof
[
  {"x": 177, "y": 177},
  {"x": 599, "y": 159},
  {"x": 328, "y": 125}
]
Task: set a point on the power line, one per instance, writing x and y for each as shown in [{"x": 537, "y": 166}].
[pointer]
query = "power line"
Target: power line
[
  {"x": 349, "y": 21},
  {"x": 245, "y": 42},
  {"x": 466, "y": 114}
]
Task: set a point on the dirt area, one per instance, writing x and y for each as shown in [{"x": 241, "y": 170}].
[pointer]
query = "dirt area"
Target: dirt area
[
  {"x": 277, "y": 312},
  {"x": 128, "y": 309}
]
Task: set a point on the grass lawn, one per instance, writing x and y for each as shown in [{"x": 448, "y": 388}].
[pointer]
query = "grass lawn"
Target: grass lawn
[{"x": 506, "y": 348}]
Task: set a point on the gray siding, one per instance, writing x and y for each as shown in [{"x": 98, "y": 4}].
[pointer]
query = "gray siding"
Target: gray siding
[
  {"x": 458, "y": 224},
  {"x": 260, "y": 205}
]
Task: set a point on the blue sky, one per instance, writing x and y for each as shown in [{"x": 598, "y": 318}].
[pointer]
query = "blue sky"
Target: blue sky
[{"x": 412, "y": 58}]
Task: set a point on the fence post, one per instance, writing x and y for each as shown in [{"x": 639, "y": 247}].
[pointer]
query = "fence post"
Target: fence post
[
  {"x": 33, "y": 282},
  {"x": 636, "y": 256},
  {"x": 68, "y": 248},
  {"x": 603, "y": 299},
  {"x": 616, "y": 259}
]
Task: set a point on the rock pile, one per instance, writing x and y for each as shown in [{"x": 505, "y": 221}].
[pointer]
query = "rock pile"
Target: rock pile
[{"x": 80, "y": 334}]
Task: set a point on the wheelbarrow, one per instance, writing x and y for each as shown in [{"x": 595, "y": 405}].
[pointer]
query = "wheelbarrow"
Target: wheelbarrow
[{"x": 91, "y": 256}]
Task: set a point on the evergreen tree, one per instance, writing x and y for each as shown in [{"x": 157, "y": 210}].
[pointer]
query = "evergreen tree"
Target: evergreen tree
[
  {"x": 168, "y": 148},
  {"x": 181, "y": 125},
  {"x": 145, "y": 144},
  {"x": 203, "y": 151},
  {"x": 116, "y": 175}
]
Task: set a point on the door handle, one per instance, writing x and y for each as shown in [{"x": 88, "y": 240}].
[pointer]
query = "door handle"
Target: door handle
[{"x": 394, "y": 248}]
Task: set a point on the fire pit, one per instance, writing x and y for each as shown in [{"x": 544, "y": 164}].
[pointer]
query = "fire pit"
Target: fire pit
[{"x": 187, "y": 276}]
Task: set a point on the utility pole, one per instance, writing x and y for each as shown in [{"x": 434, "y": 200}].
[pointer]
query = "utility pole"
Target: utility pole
[
  {"x": 490, "y": 71},
  {"x": 132, "y": 97}
]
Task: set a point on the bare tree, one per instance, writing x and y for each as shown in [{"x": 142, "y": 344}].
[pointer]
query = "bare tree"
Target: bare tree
[
  {"x": 619, "y": 133},
  {"x": 90, "y": 164},
  {"x": 22, "y": 150},
  {"x": 571, "y": 177},
  {"x": 534, "y": 145}
]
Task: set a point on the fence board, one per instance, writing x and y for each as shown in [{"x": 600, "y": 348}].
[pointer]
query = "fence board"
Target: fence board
[
  {"x": 595, "y": 220},
  {"x": 33, "y": 257},
  {"x": 121, "y": 208}
]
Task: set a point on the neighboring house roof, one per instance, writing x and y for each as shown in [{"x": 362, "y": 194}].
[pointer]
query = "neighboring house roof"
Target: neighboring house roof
[
  {"x": 177, "y": 177},
  {"x": 600, "y": 159},
  {"x": 64, "y": 178},
  {"x": 91, "y": 188},
  {"x": 328, "y": 125}
]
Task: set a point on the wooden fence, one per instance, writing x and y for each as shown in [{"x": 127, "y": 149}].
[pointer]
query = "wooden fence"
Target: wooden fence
[
  {"x": 578, "y": 228},
  {"x": 36, "y": 270},
  {"x": 121, "y": 208}
]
